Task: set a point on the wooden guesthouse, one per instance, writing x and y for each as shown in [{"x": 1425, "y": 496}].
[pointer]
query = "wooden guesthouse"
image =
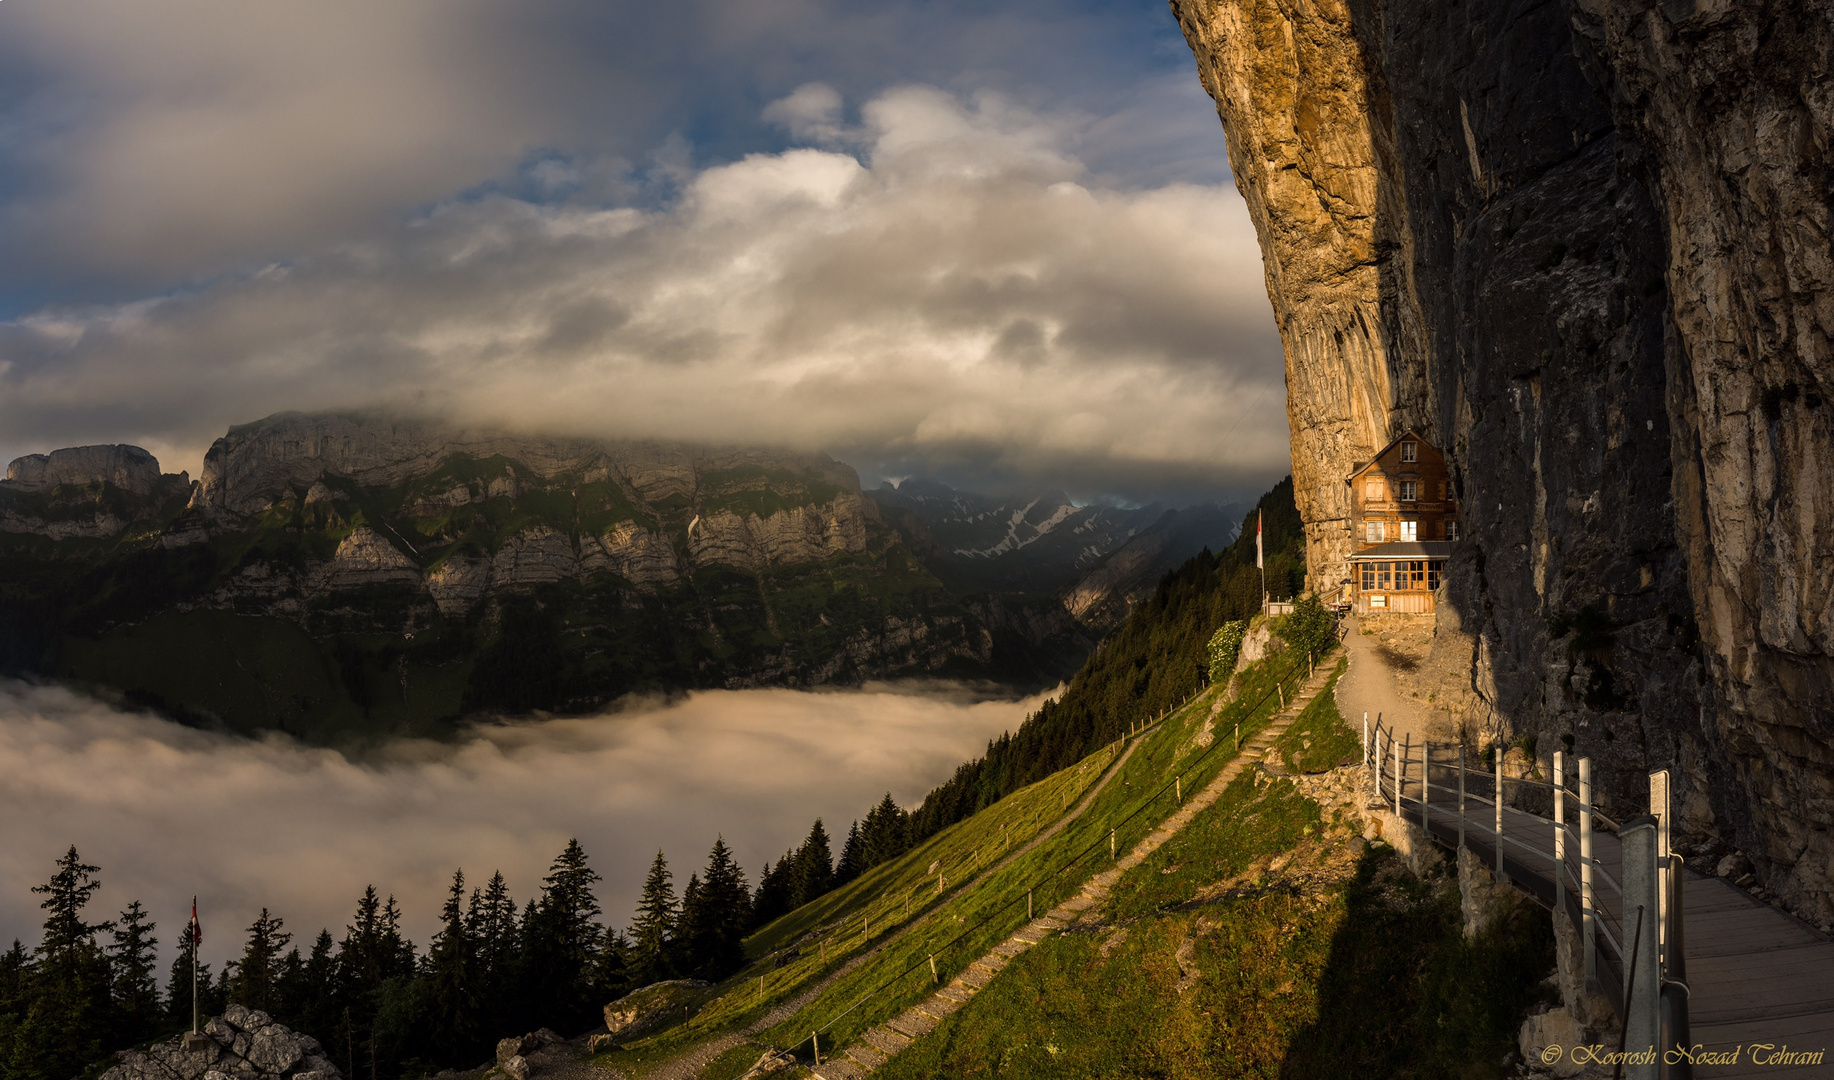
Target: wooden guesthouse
[{"x": 1404, "y": 519}]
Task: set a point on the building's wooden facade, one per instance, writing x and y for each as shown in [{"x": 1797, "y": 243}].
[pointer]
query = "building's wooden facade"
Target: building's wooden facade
[{"x": 1404, "y": 520}]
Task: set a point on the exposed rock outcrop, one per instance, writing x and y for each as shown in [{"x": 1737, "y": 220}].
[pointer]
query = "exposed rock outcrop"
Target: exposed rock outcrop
[
  {"x": 1583, "y": 246},
  {"x": 126, "y": 467},
  {"x": 242, "y": 1044}
]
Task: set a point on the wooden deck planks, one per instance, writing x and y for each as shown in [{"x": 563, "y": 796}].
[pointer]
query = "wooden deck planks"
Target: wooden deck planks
[{"x": 1757, "y": 975}]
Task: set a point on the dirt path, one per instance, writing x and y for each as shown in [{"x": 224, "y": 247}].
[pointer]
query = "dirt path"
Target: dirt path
[
  {"x": 881, "y": 1043},
  {"x": 1371, "y": 686},
  {"x": 689, "y": 1065}
]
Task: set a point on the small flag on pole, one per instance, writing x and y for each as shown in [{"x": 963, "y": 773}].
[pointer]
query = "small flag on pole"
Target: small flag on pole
[
  {"x": 197, "y": 935},
  {"x": 1257, "y": 539}
]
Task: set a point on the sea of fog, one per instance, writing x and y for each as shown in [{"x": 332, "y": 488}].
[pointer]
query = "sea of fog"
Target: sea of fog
[{"x": 167, "y": 811}]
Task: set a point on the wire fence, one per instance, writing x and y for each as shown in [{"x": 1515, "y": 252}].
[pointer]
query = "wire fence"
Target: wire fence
[{"x": 1052, "y": 882}]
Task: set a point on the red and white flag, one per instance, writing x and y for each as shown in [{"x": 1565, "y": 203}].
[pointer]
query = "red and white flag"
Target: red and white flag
[
  {"x": 1257, "y": 542},
  {"x": 197, "y": 935}
]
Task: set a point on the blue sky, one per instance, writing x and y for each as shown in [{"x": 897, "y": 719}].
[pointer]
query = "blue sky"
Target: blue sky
[{"x": 994, "y": 242}]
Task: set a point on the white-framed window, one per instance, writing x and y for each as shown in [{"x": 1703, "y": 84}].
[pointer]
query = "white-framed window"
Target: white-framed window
[
  {"x": 1410, "y": 451},
  {"x": 1451, "y": 530},
  {"x": 1409, "y": 489},
  {"x": 1410, "y": 530},
  {"x": 1372, "y": 488},
  {"x": 1378, "y": 600},
  {"x": 1374, "y": 532}
]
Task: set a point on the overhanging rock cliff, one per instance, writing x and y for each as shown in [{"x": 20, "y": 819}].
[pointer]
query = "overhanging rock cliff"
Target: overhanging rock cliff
[{"x": 1585, "y": 246}]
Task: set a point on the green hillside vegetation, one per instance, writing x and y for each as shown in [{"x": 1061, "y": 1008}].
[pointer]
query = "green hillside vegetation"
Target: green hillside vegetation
[
  {"x": 123, "y": 615},
  {"x": 1151, "y": 663},
  {"x": 794, "y": 953}
]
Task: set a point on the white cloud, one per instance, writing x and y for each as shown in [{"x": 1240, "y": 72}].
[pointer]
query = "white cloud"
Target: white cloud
[
  {"x": 961, "y": 292},
  {"x": 167, "y": 812}
]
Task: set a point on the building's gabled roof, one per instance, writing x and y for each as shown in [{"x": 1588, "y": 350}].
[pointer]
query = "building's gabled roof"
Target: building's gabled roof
[
  {"x": 1362, "y": 467},
  {"x": 1407, "y": 549}
]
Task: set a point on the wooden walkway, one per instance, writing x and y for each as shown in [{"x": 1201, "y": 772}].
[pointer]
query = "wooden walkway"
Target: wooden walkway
[{"x": 1756, "y": 974}]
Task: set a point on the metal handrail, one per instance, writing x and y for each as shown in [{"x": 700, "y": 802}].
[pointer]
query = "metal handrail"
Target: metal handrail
[{"x": 1574, "y": 868}]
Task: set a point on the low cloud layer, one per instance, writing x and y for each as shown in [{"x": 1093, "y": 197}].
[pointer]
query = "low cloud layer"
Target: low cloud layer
[
  {"x": 166, "y": 811},
  {"x": 937, "y": 285}
]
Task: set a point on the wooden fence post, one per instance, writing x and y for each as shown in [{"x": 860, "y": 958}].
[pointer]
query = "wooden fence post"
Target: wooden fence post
[
  {"x": 815, "y": 1040},
  {"x": 1111, "y": 853},
  {"x": 1178, "y": 787},
  {"x": 1028, "y": 905},
  {"x": 934, "y": 978}
]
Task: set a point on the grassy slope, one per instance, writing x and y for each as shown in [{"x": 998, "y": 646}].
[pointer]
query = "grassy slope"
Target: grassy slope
[
  {"x": 1151, "y": 662},
  {"x": 957, "y": 929},
  {"x": 1254, "y": 944}
]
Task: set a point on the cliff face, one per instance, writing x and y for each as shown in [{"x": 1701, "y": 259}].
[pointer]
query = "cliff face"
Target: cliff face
[
  {"x": 1584, "y": 246},
  {"x": 367, "y": 576}
]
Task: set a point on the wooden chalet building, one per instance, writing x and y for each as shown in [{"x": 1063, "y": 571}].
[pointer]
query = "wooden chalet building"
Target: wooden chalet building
[{"x": 1403, "y": 519}]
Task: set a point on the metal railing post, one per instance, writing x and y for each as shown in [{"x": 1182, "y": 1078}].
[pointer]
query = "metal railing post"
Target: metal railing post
[
  {"x": 1675, "y": 1026},
  {"x": 1397, "y": 747},
  {"x": 1560, "y": 834},
  {"x": 1375, "y": 760},
  {"x": 1659, "y": 809},
  {"x": 1365, "y": 737},
  {"x": 1587, "y": 907},
  {"x": 1461, "y": 796},
  {"x": 1500, "y": 875},
  {"x": 1643, "y": 975},
  {"x": 1426, "y": 781}
]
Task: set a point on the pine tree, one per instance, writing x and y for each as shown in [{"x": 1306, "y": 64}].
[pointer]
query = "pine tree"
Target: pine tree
[
  {"x": 135, "y": 987},
  {"x": 775, "y": 890},
  {"x": 728, "y": 903},
  {"x": 563, "y": 940},
  {"x": 315, "y": 1004},
  {"x": 452, "y": 978},
  {"x": 693, "y": 930},
  {"x": 491, "y": 922},
  {"x": 852, "y": 857},
  {"x": 885, "y": 834},
  {"x": 611, "y": 969},
  {"x": 71, "y": 985},
  {"x": 255, "y": 984},
  {"x": 178, "y": 991},
  {"x": 653, "y": 928},
  {"x": 814, "y": 867}
]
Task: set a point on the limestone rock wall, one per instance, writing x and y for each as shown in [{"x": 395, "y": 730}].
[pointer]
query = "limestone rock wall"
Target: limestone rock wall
[
  {"x": 126, "y": 467},
  {"x": 1583, "y": 244}
]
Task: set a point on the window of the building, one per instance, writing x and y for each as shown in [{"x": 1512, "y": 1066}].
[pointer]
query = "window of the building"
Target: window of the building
[
  {"x": 1408, "y": 489},
  {"x": 1372, "y": 488},
  {"x": 1378, "y": 601},
  {"x": 1410, "y": 451},
  {"x": 1416, "y": 574},
  {"x": 1433, "y": 570},
  {"x": 1384, "y": 576},
  {"x": 1451, "y": 530},
  {"x": 1410, "y": 530},
  {"x": 1369, "y": 577},
  {"x": 1374, "y": 532}
]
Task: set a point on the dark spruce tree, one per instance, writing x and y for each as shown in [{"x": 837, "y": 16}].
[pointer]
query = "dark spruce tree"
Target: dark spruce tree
[
  {"x": 69, "y": 1021},
  {"x": 814, "y": 867},
  {"x": 690, "y": 930},
  {"x": 491, "y": 920},
  {"x": 775, "y": 890},
  {"x": 132, "y": 960},
  {"x": 652, "y": 930},
  {"x": 727, "y": 902},
  {"x": 848, "y": 866},
  {"x": 452, "y": 981},
  {"x": 562, "y": 942},
  {"x": 256, "y": 981}
]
